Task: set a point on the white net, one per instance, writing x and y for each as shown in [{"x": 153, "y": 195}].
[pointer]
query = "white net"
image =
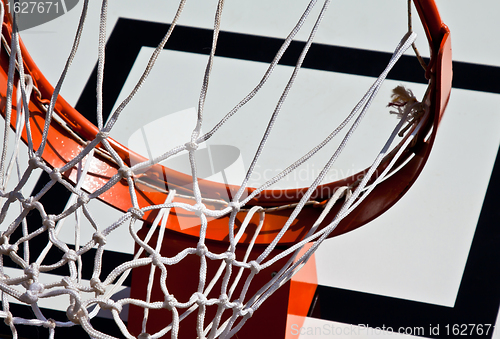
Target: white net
[{"x": 225, "y": 294}]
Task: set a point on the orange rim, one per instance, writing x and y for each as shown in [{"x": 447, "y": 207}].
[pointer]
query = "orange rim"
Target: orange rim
[{"x": 62, "y": 146}]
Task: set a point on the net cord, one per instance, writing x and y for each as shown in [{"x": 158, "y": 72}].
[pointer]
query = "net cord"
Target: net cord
[{"x": 278, "y": 279}]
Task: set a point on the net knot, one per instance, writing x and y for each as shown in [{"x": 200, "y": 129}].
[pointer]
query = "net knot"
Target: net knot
[
  {"x": 74, "y": 314},
  {"x": 37, "y": 287},
  {"x": 109, "y": 304},
  {"x": 49, "y": 221},
  {"x": 144, "y": 335},
  {"x": 235, "y": 206},
  {"x": 55, "y": 174},
  {"x": 70, "y": 256},
  {"x": 191, "y": 146},
  {"x": 13, "y": 249},
  {"x": 230, "y": 256},
  {"x": 67, "y": 282},
  {"x": 116, "y": 306},
  {"x": 169, "y": 302},
  {"x": 97, "y": 285},
  {"x": 4, "y": 246},
  {"x": 31, "y": 295},
  {"x": 13, "y": 195},
  {"x": 6, "y": 249},
  {"x": 28, "y": 203},
  {"x": 28, "y": 298},
  {"x": 223, "y": 299},
  {"x": 156, "y": 259},
  {"x": 136, "y": 213},
  {"x": 35, "y": 162},
  {"x": 237, "y": 306},
  {"x": 201, "y": 249},
  {"x": 50, "y": 323},
  {"x": 199, "y": 209},
  {"x": 99, "y": 238},
  {"x": 8, "y": 319},
  {"x": 83, "y": 198},
  {"x": 255, "y": 267},
  {"x": 101, "y": 135},
  {"x": 126, "y": 172},
  {"x": 32, "y": 271},
  {"x": 200, "y": 298},
  {"x": 247, "y": 313}
]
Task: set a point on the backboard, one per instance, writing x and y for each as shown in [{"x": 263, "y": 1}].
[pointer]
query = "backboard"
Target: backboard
[{"x": 423, "y": 267}]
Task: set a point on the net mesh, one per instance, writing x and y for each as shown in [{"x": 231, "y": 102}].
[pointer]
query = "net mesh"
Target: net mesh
[{"x": 227, "y": 289}]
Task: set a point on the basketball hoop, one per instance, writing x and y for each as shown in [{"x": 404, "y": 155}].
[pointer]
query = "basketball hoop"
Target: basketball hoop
[{"x": 242, "y": 242}]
